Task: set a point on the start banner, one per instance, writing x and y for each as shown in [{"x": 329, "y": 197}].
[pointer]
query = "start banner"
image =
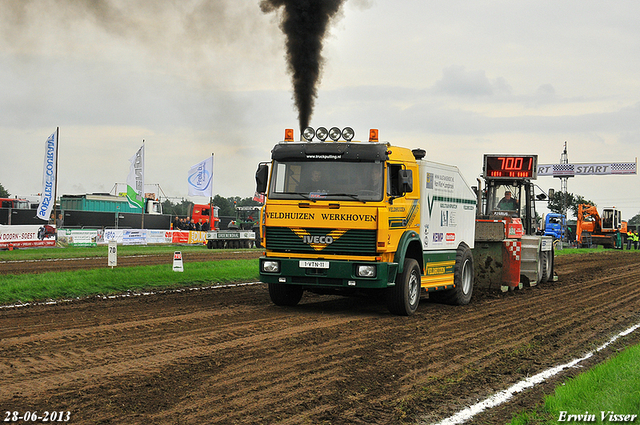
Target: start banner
[
  {"x": 599, "y": 169},
  {"x": 25, "y": 236}
]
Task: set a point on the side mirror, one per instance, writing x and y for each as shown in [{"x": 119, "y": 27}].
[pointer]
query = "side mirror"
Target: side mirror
[
  {"x": 405, "y": 181},
  {"x": 262, "y": 175}
]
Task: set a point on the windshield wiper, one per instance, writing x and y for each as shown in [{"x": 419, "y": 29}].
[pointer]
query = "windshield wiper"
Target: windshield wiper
[
  {"x": 351, "y": 195},
  {"x": 307, "y": 197}
]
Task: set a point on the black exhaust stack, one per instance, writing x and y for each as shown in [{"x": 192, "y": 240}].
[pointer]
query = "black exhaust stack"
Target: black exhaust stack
[{"x": 304, "y": 23}]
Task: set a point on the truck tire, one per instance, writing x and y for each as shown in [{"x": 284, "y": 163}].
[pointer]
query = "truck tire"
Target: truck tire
[
  {"x": 462, "y": 278},
  {"x": 210, "y": 244},
  {"x": 285, "y": 295},
  {"x": 543, "y": 267},
  {"x": 403, "y": 298},
  {"x": 550, "y": 259}
]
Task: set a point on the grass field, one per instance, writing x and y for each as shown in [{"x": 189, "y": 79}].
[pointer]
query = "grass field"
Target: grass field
[
  {"x": 99, "y": 251},
  {"x": 26, "y": 288},
  {"x": 104, "y": 281},
  {"x": 607, "y": 393}
]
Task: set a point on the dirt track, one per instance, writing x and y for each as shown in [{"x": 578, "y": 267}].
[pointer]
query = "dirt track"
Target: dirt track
[{"x": 228, "y": 356}]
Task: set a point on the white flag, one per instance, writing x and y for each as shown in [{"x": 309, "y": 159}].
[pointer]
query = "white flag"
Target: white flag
[
  {"x": 47, "y": 199},
  {"x": 135, "y": 180},
  {"x": 200, "y": 178}
]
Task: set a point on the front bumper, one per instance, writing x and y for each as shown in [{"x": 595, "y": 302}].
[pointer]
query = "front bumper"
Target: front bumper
[{"x": 338, "y": 274}]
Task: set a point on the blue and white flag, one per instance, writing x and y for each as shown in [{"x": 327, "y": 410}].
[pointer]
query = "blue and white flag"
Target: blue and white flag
[
  {"x": 200, "y": 178},
  {"x": 48, "y": 196},
  {"x": 135, "y": 180}
]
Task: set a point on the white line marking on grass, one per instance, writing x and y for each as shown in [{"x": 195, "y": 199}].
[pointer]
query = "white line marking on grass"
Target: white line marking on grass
[
  {"x": 503, "y": 396},
  {"x": 131, "y": 294}
]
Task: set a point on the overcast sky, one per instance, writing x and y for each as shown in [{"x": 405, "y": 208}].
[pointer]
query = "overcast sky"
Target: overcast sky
[{"x": 192, "y": 78}]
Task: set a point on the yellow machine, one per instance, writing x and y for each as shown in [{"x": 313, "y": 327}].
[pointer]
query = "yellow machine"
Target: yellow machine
[{"x": 593, "y": 229}]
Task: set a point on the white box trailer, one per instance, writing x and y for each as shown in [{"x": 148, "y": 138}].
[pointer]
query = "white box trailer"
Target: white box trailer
[{"x": 447, "y": 207}]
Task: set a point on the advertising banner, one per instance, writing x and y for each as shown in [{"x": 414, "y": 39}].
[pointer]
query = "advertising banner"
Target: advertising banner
[
  {"x": 25, "y": 236},
  {"x": 134, "y": 237},
  {"x": 74, "y": 237},
  {"x": 159, "y": 236},
  {"x": 200, "y": 179},
  {"x": 135, "y": 180},
  {"x": 197, "y": 237},
  {"x": 180, "y": 237},
  {"x": 110, "y": 235},
  {"x": 35, "y": 236},
  {"x": 47, "y": 199}
]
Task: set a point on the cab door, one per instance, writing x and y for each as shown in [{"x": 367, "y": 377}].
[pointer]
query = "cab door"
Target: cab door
[{"x": 402, "y": 196}]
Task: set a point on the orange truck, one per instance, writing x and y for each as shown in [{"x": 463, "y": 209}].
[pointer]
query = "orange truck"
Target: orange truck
[{"x": 232, "y": 238}]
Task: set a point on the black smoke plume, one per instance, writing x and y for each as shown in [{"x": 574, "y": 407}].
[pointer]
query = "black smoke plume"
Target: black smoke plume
[{"x": 304, "y": 23}]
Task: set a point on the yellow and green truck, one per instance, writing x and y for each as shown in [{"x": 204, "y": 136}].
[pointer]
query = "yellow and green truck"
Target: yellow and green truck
[{"x": 343, "y": 216}]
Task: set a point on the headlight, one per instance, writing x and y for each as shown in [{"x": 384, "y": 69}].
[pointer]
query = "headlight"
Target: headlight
[
  {"x": 322, "y": 133},
  {"x": 348, "y": 133},
  {"x": 308, "y": 134},
  {"x": 269, "y": 266},
  {"x": 366, "y": 270},
  {"x": 335, "y": 134}
]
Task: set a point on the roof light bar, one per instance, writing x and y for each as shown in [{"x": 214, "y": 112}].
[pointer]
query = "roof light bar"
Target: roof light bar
[{"x": 335, "y": 134}]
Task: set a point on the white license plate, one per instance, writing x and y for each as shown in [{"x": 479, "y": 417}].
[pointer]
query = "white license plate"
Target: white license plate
[{"x": 306, "y": 264}]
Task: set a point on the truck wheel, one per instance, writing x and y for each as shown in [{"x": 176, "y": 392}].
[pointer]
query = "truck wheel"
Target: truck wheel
[
  {"x": 550, "y": 260},
  {"x": 403, "y": 298},
  {"x": 542, "y": 267},
  {"x": 210, "y": 244},
  {"x": 462, "y": 279},
  {"x": 285, "y": 295}
]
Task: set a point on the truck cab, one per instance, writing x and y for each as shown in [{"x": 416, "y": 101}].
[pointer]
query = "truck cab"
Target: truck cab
[
  {"x": 343, "y": 216},
  {"x": 553, "y": 224},
  {"x": 21, "y": 204}
]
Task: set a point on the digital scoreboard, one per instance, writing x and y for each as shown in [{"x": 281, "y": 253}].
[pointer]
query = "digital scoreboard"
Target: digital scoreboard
[{"x": 510, "y": 166}]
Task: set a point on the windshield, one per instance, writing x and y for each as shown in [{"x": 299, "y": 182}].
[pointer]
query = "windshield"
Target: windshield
[
  {"x": 505, "y": 199},
  {"x": 320, "y": 180}
]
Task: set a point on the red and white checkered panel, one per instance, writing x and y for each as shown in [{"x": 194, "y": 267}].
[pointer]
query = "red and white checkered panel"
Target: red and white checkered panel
[{"x": 514, "y": 248}]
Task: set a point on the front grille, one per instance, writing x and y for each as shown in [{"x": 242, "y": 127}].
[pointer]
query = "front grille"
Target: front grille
[{"x": 354, "y": 241}]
